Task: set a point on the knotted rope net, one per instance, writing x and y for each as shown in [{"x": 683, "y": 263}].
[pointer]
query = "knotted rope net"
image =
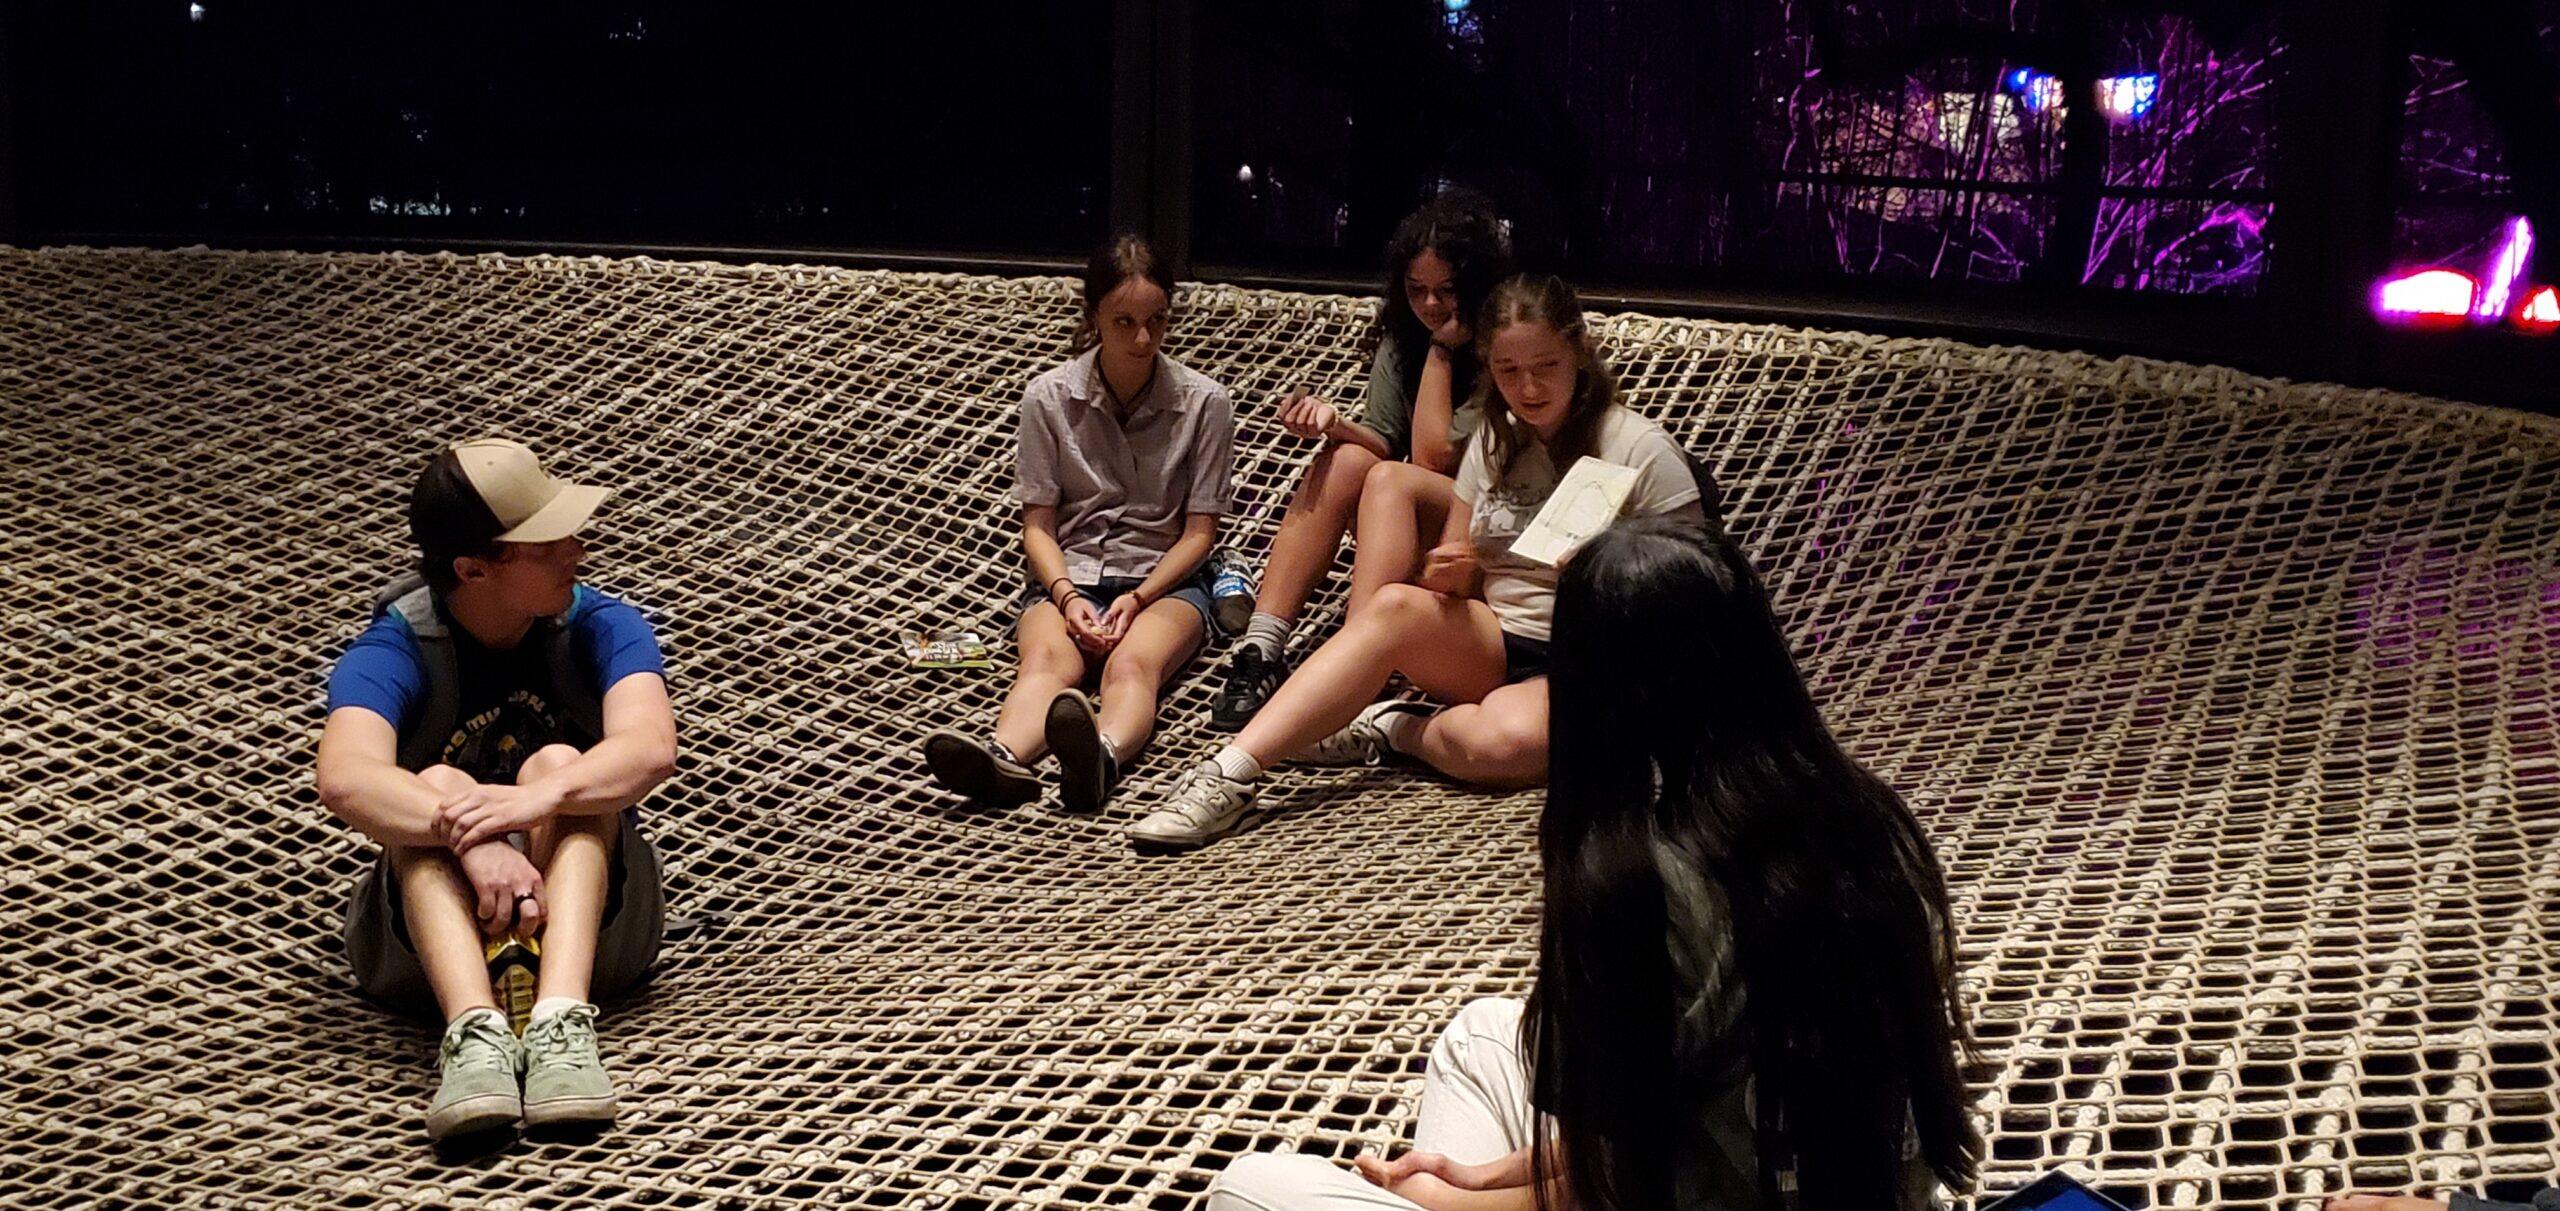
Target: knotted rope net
[{"x": 2227, "y": 701}]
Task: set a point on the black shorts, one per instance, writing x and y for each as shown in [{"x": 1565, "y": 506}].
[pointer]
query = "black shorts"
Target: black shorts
[
  {"x": 1522, "y": 658},
  {"x": 635, "y": 920}
]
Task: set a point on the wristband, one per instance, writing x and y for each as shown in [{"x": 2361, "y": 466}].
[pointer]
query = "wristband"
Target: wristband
[{"x": 1069, "y": 581}]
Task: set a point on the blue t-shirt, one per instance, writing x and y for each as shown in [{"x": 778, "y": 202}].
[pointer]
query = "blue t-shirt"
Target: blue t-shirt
[{"x": 507, "y": 706}]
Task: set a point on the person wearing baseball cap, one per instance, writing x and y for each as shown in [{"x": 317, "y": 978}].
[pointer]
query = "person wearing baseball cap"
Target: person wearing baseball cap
[{"x": 492, "y": 731}]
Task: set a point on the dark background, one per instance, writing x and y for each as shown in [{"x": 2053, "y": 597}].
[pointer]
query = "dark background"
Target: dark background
[{"x": 1858, "y": 163}]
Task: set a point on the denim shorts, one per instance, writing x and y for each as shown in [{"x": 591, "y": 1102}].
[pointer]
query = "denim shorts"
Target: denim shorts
[{"x": 1193, "y": 592}]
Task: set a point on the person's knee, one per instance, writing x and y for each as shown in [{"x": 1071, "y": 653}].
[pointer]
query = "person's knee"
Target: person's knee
[
  {"x": 1501, "y": 741},
  {"x": 1056, "y": 662},
  {"x": 545, "y": 761},
  {"x": 1346, "y": 476},
  {"x": 1399, "y": 606},
  {"x": 1125, "y": 672},
  {"x": 446, "y": 779},
  {"x": 1268, "y": 1181},
  {"x": 1384, "y": 476}
]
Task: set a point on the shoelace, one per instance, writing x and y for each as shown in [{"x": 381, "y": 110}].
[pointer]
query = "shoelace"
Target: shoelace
[
  {"x": 1361, "y": 738},
  {"x": 564, "y": 1038},
  {"x": 481, "y": 1043},
  {"x": 1202, "y": 805}
]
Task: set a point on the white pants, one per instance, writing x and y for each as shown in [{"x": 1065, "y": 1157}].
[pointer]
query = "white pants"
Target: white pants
[{"x": 1475, "y": 1108}]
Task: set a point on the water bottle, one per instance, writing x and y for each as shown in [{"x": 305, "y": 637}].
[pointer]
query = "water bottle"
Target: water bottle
[
  {"x": 1231, "y": 590},
  {"x": 514, "y": 962}
]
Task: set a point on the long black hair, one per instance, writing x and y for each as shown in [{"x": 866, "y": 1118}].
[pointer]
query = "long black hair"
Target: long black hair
[
  {"x": 1462, "y": 227},
  {"x": 1679, "y": 726}
]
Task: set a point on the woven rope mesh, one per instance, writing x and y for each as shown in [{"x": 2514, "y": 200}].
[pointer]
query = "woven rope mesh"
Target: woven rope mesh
[{"x": 2227, "y": 702}]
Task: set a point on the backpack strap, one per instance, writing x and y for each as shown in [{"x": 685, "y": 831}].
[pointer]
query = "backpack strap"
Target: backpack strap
[
  {"x": 573, "y": 688},
  {"x": 412, "y": 604}
]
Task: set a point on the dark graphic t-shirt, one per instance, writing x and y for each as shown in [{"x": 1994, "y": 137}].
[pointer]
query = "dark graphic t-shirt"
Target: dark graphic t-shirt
[{"x": 508, "y": 708}]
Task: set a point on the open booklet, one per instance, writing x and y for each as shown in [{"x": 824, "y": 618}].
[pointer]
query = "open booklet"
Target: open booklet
[
  {"x": 946, "y": 650},
  {"x": 1585, "y": 501}
]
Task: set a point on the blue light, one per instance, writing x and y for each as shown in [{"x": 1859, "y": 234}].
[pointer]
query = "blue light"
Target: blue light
[
  {"x": 2129, "y": 97},
  {"x": 2123, "y": 98}
]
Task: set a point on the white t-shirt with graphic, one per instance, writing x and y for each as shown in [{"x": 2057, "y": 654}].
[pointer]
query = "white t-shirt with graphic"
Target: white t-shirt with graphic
[{"x": 1522, "y": 592}]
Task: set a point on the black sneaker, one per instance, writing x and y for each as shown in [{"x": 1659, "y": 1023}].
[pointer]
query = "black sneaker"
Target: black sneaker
[
  {"x": 1087, "y": 768},
  {"x": 1252, "y": 678},
  {"x": 975, "y": 769}
]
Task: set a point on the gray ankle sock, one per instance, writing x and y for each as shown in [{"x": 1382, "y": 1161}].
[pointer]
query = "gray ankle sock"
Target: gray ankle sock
[{"x": 1269, "y": 632}]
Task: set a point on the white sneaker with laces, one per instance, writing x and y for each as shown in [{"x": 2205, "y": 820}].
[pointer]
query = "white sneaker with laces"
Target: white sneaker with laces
[
  {"x": 1205, "y": 806},
  {"x": 1362, "y": 741}
]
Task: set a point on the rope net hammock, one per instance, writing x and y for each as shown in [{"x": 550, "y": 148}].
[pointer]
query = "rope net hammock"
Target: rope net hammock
[{"x": 2227, "y": 701}]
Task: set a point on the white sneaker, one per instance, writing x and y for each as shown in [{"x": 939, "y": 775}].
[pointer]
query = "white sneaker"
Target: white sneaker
[
  {"x": 1362, "y": 741},
  {"x": 1205, "y": 806}
]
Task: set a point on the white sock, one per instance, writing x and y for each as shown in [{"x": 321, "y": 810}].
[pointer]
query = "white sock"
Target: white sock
[
  {"x": 1270, "y": 632},
  {"x": 550, "y": 1005},
  {"x": 1403, "y": 729},
  {"x": 1236, "y": 765},
  {"x": 997, "y": 747},
  {"x": 467, "y": 1014}
]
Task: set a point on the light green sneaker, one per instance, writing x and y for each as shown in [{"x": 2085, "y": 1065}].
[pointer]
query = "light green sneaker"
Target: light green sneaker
[
  {"x": 477, "y": 1090},
  {"x": 564, "y": 1079}
]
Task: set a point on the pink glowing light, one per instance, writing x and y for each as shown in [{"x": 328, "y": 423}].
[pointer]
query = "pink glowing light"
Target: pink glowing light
[
  {"x": 2504, "y": 270},
  {"x": 2430, "y": 294}
]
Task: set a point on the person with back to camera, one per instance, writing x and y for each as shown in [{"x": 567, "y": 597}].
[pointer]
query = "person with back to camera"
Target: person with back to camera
[
  {"x": 1472, "y": 630},
  {"x": 492, "y": 731},
  {"x": 1745, "y": 992},
  {"x": 1390, "y": 470},
  {"x": 1125, "y": 464}
]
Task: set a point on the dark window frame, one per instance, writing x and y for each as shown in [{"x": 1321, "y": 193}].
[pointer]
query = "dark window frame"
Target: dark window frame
[{"x": 2329, "y": 236}]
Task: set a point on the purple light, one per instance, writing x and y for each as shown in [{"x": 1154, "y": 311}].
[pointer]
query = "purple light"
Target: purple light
[{"x": 2499, "y": 284}]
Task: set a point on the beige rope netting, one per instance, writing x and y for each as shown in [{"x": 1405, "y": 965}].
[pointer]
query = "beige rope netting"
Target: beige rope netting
[{"x": 2227, "y": 701}]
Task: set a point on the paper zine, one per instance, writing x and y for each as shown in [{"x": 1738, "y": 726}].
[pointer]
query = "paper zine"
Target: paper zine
[{"x": 1583, "y": 504}]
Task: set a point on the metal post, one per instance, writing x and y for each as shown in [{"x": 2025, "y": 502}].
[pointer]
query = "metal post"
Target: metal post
[
  {"x": 2329, "y": 230},
  {"x": 1171, "y": 139},
  {"x": 1133, "y": 66},
  {"x": 12, "y": 137}
]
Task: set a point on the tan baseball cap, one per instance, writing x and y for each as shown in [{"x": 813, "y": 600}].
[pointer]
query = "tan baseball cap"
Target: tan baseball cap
[{"x": 494, "y": 490}]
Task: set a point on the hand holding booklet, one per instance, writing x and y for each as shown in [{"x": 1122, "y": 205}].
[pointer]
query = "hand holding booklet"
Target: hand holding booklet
[{"x": 1585, "y": 501}]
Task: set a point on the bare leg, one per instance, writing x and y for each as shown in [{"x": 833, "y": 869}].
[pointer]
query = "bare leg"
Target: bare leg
[
  {"x": 575, "y": 856},
  {"x": 444, "y": 926},
  {"x": 1501, "y": 741},
  {"x": 1450, "y": 647},
  {"x": 1403, "y": 509},
  {"x": 1158, "y": 644},
  {"x": 1049, "y": 662},
  {"x": 1326, "y": 503}
]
